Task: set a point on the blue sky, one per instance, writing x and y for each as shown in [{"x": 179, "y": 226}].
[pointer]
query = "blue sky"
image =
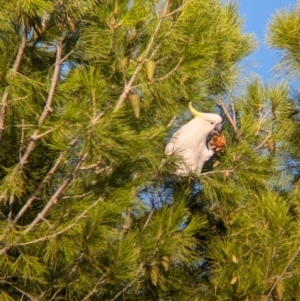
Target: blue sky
[{"x": 257, "y": 14}]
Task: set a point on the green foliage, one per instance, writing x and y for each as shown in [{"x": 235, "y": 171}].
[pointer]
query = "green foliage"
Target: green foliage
[
  {"x": 284, "y": 35},
  {"x": 88, "y": 209},
  {"x": 268, "y": 232}
]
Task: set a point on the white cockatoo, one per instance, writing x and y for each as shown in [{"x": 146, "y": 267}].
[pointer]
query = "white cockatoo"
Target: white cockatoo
[{"x": 189, "y": 143}]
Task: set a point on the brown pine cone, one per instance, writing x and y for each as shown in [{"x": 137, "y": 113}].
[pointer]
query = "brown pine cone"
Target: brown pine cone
[{"x": 218, "y": 143}]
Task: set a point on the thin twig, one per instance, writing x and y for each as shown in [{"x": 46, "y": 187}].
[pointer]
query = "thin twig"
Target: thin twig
[
  {"x": 20, "y": 290},
  {"x": 216, "y": 171},
  {"x": 126, "y": 287},
  {"x": 264, "y": 141},
  {"x": 93, "y": 92},
  {"x": 75, "y": 222},
  {"x": 170, "y": 72},
  {"x": 261, "y": 119},
  {"x": 160, "y": 194},
  {"x": 281, "y": 275},
  {"x": 46, "y": 180},
  {"x": 47, "y": 108},
  {"x": 59, "y": 289},
  {"x": 66, "y": 197},
  {"x": 39, "y": 189},
  {"x": 98, "y": 117},
  {"x": 4, "y": 100},
  {"x": 58, "y": 192},
  {"x": 127, "y": 220},
  {"x": 163, "y": 77},
  {"x": 66, "y": 56},
  {"x": 21, "y": 126},
  {"x": 27, "y": 78},
  {"x": 78, "y": 262},
  {"x": 20, "y": 98},
  {"x": 153, "y": 209},
  {"x": 41, "y": 296},
  {"x": 91, "y": 166},
  {"x": 269, "y": 264},
  {"x": 46, "y": 133},
  {"x": 179, "y": 9},
  {"x": 22, "y": 140},
  {"x": 151, "y": 56},
  {"x": 128, "y": 87},
  {"x": 11, "y": 203},
  {"x": 149, "y": 218},
  {"x": 227, "y": 218},
  {"x": 94, "y": 290},
  {"x": 232, "y": 108},
  {"x": 230, "y": 120}
]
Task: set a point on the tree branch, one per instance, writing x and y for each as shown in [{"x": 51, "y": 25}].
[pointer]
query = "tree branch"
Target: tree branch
[
  {"x": 39, "y": 189},
  {"x": 94, "y": 290},
  {"x": 55, "y": 196},
  {"x": 79, "y": 196},
  {"x": 261, "y": 119},
  {"x": 232, "y": 108},
  {"x": 165, "y": 76},
  {"x": 4, "y": 102},
  {"x": 66, "y": 56},
  {"x": 153, "y": 201},
  {"x": 11, "y": 203},
  {"x": 216, "y": 171},
  {"x": 29, "y": 296},
  {"x": 47, "y": 108},
  {"x": 22, "y": 140},
  {"x": 149, "y": 218},
  {"x": 35, "y": 136},
  {"x": 264, "y": 141},
  {"x": 230, "y": 120},
  {"x": 126, "y": 287},
  {"x": 78, "y": 218},
  {"x": 44, "y": 182},
  {"x": 46, "y": 133},
  {"x": 179, "y": 9},
  {"x": 269, "y": 264},
  {"x": 279, "y": 278}
]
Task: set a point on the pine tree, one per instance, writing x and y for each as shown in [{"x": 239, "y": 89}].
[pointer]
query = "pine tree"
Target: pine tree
[
  {"x": 89, "y": 91},
  {"x": 284, "y": 28},
  {"x": 255, "y": 257}
]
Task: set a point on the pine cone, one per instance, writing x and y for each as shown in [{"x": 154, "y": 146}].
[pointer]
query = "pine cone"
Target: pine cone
[
  {"x": 279, "y": 290},
  {"x": 150, "y": 69},
  {"x": 218, "y": 143},
  {"x": 135, "y": 103},
  {"x": 165, "y": 262},
  {"x": 154, "y": 275}
]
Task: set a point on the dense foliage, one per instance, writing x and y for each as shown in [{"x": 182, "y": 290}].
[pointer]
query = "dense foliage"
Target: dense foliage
[{"x": 90, "y": 92}]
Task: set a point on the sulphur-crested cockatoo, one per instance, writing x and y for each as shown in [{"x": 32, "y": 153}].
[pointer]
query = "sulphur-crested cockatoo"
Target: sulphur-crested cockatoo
[{"x": 189, "y": 143}]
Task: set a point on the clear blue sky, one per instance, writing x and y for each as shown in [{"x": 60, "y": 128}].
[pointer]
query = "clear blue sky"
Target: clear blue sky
[{"x": 257, "y": 14}]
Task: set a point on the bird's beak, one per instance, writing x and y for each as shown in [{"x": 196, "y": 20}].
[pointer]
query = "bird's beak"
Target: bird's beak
[{"x": 218, "y": 128}]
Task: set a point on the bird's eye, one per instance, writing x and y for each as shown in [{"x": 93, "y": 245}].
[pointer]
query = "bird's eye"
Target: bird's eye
[{"x": 211, "y": 122}]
